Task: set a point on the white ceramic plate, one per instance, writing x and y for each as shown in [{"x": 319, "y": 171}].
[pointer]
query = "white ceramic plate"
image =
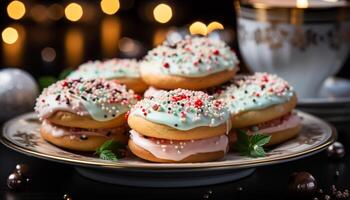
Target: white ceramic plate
[{"x": 22, "y": 134}]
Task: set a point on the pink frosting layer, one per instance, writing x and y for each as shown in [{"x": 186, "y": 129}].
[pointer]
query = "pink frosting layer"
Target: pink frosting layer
[
  {"x": 59, "y": 131},
  {"x": 291, "y": 122},
  {"x": 179, "y": 150}
]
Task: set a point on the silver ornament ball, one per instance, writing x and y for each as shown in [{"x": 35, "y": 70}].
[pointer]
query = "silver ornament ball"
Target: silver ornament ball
[{"x": 18, "y": 91}]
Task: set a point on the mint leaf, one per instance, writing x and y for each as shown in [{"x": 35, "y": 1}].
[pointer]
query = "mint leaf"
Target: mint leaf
[
  {"x": 108, "y": 155},
  {"x": 108, "y": 148},
  {"x": 260, "y": 140},
  {"x": 46, "y": 81},
  {"x": 251, "y": 146}
]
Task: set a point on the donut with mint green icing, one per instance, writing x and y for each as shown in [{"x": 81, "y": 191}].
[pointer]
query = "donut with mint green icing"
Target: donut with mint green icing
[
  {"x": 73, "y": 102},
  {"x": 252, "y": 99},
  {"x": 192, "y": 63},
  {"x": 125, "y": 71},
  {"x": 180, "y": 111}
]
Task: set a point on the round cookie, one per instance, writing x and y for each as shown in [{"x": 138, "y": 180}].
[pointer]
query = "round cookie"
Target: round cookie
[
  {"x": 192, "y": 63},
  {"x": 180, "y": 115},
  {"x": 179, "y": 126},
  {"x": 257, "y": 98},
  {"x": 90, "y": 106},
  {"x": 124, "y": 71},
  {"x": 280, "y": 130},
  {"x": 83, "y": 140}
]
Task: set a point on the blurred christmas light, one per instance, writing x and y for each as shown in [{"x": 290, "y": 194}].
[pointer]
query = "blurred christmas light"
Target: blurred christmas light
[
  {"x": 302, "y": 3},
  {"x": 214, "y": 26},
  {"x": 48, "y": 54},
  {"x": 73, "y": 12},
  {"x": 110, "y": 34},
  {"x": 198, "y": 28},
  {"x": 9, "y": 35},
  {"x": 74, "y": 47},
  {"x": 159, "y": 36},
  {"x": 129, "y": 47},
  {"x": 55, "y": 11},
  {"x": 12, "y": 54},
  {"x": 162, "y": 13},
  {"x": 16, "y": 10},
  {"x": 39, "y": 13},
  {"x": 110, "y": 7}
]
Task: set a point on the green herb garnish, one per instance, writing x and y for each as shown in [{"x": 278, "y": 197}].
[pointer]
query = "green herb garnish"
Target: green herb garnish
[
  {"x": 251, "y": 146},
  {"x": 110, "y": 150}
]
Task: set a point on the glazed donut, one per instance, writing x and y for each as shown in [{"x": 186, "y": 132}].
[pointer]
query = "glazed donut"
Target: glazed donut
[
  {"x": 124, "y": 71},
  {"x": 258, "y": 99},
  {"x": 192, "y": 63},
  {"x": 91, "y": 109},
  {"x": 189, "y": 123}
]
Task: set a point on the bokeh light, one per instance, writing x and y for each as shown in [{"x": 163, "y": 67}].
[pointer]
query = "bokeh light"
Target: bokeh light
[
  {"x": 55, "y": 11},
  {"x": 39, "y": 13},
  {"x": 16, "y": 10},
  {"x": 198, "y": 28},
  {"x": 9, "y": 35},
  {"x": 48, "y": 54},
  {"x": 110, "y": 7},
  {"x": 302, "y": 3},
  {"x": 162, "y": 13},
  {"x": 73, "y": 12},
  {"x": 214, "y": 26}
]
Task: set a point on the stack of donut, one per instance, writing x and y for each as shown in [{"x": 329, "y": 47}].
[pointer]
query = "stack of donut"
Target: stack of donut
[
  {"x": 262, "y": 103},
  {"x": 179, "y": 126},
  {"x": 177, "y": 121},
  {"x": 81, "y": 115}
]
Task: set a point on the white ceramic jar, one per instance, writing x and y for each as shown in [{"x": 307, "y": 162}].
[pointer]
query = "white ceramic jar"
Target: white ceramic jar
[{"x": 302, "y": 45}]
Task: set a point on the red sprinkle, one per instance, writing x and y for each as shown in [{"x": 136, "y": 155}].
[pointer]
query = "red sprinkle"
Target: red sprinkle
[
  {"x": 198, "y": 103},
  {"x": 155, "y": 107},
  {"x": 137, "y": 97},
  {"x": 166, "y": 65},
  {"x": 216, "y": 52},
  {"x": 64, "y": 84}
]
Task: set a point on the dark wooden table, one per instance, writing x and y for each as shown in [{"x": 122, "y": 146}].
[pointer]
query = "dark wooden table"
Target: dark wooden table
[{"x": 52, "y": 180}]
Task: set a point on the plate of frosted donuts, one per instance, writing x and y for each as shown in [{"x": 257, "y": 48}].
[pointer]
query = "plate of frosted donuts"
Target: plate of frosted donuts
[{"x": 199, "y": 123}]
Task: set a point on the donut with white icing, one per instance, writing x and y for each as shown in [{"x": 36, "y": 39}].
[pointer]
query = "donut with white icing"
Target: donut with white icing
[
  {"x": 193, "y": 63},
  {"x": 179, "y": 126},
  {"x": 82, "y": 114},
  {"x": 262, "y": 102},
  {"x": 125, "y": 71}
]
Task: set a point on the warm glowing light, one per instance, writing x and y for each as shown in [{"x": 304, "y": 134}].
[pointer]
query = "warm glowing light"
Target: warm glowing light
[
  {"x": 302, "y": 3},
  {"x": 48, "y": 54},
  {"x": 198, "y": 28},
  {"x": 12, "y": 54},
  {"x": 73, "y": 12},
  {"x": 162, "y": 13},
  {"x": 110, "y": 7},
  {"x": 16, "y": 10},
  {"x": 9, "y": 35},
  {"x": 110, "y": 34},
  {"x": 39, "y": 13},
  {"x": 74, "y": 47},
  {"x": 55, "y": 11},
  {"x": 214, "y": 26},
  {"x": 159, "y": 36}
]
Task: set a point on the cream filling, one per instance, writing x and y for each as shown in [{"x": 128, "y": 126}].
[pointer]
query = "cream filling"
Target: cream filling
[
  {"x": 59, "y": 131},
  {"x": 179, "y": 150},
  {"x": 291, "y": 122}
]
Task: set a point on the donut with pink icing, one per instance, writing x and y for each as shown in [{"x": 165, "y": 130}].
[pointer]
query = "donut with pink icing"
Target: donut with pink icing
[
  {"x": 192, "y": 63},
  {"x": 124, "y": 71},
  {"x": 82, "y": 114},
  {"x": 179, "y": 126}
]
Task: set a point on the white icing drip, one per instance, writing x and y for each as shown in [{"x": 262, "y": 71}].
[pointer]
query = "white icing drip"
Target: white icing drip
[{"x": 179, "y": 150}]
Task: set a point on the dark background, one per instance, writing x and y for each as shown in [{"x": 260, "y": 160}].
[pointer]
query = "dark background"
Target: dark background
[
  {"x": 52, "y": 180},
  {"x": 133, "y": 20}
]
